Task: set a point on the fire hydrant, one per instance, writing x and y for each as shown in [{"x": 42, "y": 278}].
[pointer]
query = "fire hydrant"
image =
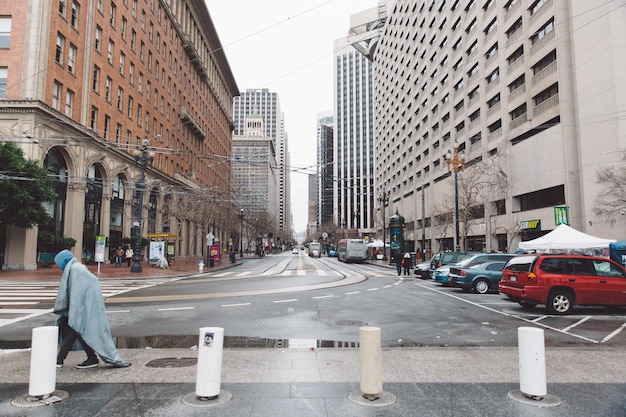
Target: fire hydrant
[{"x": 201, "y": 265}]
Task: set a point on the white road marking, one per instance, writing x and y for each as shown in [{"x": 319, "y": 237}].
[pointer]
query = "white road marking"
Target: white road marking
[
  {"x": 236, "y": 305},
  {"x": 353, "y": 292},
  {"x": 571, "y": 326},
  {"x": 291, "y": 300},
  {"x": 323, "y": 296},
  {"x": 614, "y": 333},
  {"x": 175, "y": 308}
]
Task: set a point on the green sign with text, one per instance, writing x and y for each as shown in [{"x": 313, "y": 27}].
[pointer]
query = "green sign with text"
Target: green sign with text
[{"x": 561, "y": 215}]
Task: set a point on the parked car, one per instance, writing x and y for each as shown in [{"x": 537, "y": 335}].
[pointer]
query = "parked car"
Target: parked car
[
  {"x": 295, "y": 251},
  {"x": 476, "y": 259},
  {"x": 440, "y": 274},
  {"x": 481, "y": 277},
  {"x": 562, "y": 281},
  {"x": 332, "y": 253},
  {"x": 422, "y": 270}
]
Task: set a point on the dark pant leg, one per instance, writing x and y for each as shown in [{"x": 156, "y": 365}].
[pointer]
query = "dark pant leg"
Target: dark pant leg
[{"x": 68, "y": 337}]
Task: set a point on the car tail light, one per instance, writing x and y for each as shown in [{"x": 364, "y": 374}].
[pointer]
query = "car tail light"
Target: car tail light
[
  {"x": 532, "y": 278},
  {"x": 463, "y": 272}
]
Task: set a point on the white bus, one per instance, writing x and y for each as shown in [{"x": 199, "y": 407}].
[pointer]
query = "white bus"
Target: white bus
[{"x": 352, "y": 250}]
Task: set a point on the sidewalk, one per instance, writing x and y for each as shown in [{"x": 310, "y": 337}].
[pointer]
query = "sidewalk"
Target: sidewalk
[{"x": 588, "y": 381}]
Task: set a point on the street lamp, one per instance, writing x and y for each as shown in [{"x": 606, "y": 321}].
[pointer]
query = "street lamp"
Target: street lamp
[
  {"x": 142, "y": 157},
  {"x": 241, "y": 234},
  {"x": 384, "y": 200},
  {"x": 457, "y": 161}
]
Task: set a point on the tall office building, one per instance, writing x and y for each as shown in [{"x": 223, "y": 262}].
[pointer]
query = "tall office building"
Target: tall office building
[
  {"x": 86, "y": 84},
  {"x": 267, "y": 105},
  {"x": 324, "y": 177},
  {"x": 532, "y": 88},
  {"x": 353, "y": 156}
]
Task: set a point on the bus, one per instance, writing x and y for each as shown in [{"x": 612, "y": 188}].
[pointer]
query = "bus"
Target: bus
[
  {"x": 315, "y": 250},
  {"x": 352, "y": 250}
]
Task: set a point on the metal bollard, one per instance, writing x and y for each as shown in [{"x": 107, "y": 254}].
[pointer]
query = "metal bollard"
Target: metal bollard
[
  {"x": 43, "y": 356},
  {"x": 209, "y": 372}
]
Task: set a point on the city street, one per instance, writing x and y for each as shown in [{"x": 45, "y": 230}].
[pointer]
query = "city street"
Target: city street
[{"x": 278, "y": 298}]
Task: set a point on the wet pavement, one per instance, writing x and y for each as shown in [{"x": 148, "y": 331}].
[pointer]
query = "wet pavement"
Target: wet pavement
[{"x": 314, "y": 381}]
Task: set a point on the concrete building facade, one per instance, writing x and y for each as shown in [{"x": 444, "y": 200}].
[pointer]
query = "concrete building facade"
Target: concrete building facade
[
  {"x": 353, "y": 152},
  {"x": 83, "y": 85},
  {"x": 267, "y": 104},
  {"x": 532, "y": 92}
]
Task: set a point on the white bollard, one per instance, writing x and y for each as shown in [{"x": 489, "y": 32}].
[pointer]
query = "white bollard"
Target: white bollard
[
  {"x": 209, "y": 372},
  {"x": 532, "y": 362},
  {"x": 43, "y": 361},
  {"x": 370, "y": 362},
  {"x": 201, "y": 265}
]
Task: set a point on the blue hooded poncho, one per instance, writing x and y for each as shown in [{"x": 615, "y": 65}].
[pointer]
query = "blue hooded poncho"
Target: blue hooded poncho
[{"x": 80, "y": 299}]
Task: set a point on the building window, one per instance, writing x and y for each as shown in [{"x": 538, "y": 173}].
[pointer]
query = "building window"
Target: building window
[
  {"x": 107, "y": 126},
  {"x": 4, "y": 73},
  {"x": 123, "y": 30},
  {"x": 5, "y": 32},
  {"x": 110, "y": 52},
  {"x": 62, "y": 7},
  {"x": 544, "y": 62},
  {"x": 98, "y": 42},
  {"x": 120, "y": 98},
  {"x": 134, "y": 9},
  {"x": 130, "y": 107},
  {"x": 122, "y": 62},
  {"x": 71, "y": 59},
  {"x": 56, "y": 95},
  {"x": 58, "y": 55},
  {"x": 107, "y": 89},
  {"x": 96, "y": 78},
  {"x": 112, "y": 12},
  {"x": 546, "y": 94},
  {"x": 139, "y": 113},
  {"x": 131, "y": 73},
  {"x": 118, "y": 134},
  {"x": 94, "y": 118},
  {"x": 140, "y": 83},
  {"x": 133, "y": 39},
  {"x": 75, "y": 12},
  {"x": 99, "y": 5},
  {"x": 541, "y": 33},
  {"x": 69, "y": 102}
]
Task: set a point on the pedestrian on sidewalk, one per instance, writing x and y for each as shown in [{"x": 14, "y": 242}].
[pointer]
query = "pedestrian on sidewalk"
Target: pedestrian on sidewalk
[
  {"x": 82, "y": 316},
  {"x": 397, "y": 259},
  {"x": 406, "y": 263},
  {"x": 119, "y": 256},
  {"x": 129, "y": 255}
]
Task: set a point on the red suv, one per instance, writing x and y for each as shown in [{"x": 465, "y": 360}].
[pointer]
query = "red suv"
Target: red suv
[{"x": 562, "y": 281}]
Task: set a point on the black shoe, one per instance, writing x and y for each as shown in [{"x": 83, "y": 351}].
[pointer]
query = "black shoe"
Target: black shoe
[
  {"x": 89, "y": 363},
  {"x": 59, "y": 364}
]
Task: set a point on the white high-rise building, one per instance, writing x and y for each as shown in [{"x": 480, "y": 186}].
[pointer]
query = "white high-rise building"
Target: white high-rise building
[
  {"x": 534, "y": 88},
  {"x": 267, "y": 105},
  {"x": 353, "y": 156}
]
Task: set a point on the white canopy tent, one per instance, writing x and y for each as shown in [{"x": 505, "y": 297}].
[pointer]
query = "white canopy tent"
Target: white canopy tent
[
  {"x": 565, "y": 239},
  {"x": 376, "y": 243}
]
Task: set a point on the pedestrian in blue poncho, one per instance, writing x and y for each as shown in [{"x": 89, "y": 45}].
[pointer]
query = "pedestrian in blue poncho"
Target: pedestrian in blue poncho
[{"x": 82, "y": 316}]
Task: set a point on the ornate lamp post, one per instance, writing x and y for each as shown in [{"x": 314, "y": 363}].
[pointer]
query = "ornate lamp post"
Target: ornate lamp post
[
  {"x": 456, "y": 160},
  {"x": 143, "y": 157},
  {"x": 384, "y": 201},
  {"x": 241, "y": 216}
]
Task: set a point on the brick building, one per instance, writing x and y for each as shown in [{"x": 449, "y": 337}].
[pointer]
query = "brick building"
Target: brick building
[{"x": 84, "y": 85}]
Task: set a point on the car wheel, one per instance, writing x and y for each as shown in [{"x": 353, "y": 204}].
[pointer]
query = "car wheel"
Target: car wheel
[
  {"x": 527, "y": 304},
  {"x": 481, "y": 286},
  {"x": 560, "y": 302}
]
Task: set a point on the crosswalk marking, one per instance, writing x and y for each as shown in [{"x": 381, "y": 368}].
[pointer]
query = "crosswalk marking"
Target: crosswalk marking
[{"x": 34, "y": 296}]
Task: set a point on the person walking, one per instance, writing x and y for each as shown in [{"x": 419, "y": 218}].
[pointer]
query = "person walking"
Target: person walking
[
  {"x": 119, "y": 256},
  {"x": 406, "y": 263},
  {"x": 81, "y": 315},
  {"x": 397, "y": 258},
  {"x": 129, "y": 255}
]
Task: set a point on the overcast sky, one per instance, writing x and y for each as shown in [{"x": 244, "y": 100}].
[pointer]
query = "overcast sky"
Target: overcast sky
[{"x": 286, "y": 46}]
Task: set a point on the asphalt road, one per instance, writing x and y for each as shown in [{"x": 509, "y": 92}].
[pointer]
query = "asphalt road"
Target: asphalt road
[{"x": 294, "y": 297}]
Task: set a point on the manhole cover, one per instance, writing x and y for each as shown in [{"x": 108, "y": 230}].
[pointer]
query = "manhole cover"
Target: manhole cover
[
  {"x": 172, "y": 362},
  {"x": 26, "y": 401},
  {"x": 350, "y": 323}
]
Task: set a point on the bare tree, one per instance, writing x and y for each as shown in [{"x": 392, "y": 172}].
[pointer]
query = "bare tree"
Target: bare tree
[
  {"x": 481, "y": 182},
  {"x": 611, "y": 201}
]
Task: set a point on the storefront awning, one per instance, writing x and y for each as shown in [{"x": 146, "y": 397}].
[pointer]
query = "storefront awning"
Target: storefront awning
[{"x": 162, "y": 236}]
